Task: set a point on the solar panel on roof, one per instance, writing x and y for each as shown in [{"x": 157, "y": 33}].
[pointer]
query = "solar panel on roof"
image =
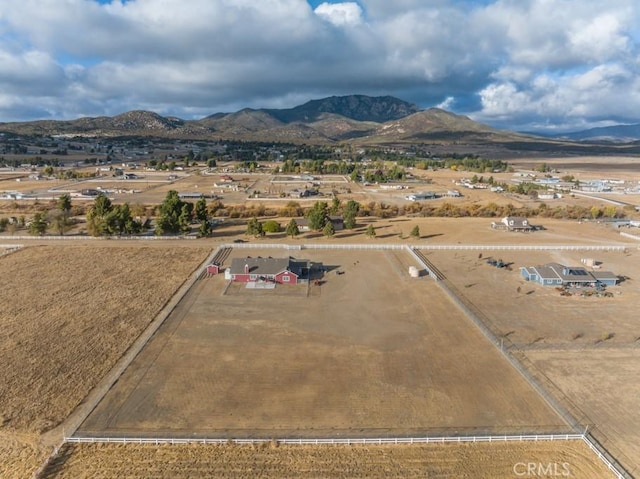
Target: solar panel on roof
[{"x": 578, "y": 272}]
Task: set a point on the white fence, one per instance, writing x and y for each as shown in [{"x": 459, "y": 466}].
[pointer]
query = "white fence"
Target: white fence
[
  {"x": 87, "y": 237},
  {"x": 9, "y": 248},
  {"x": 369, "y": 441},
  {"x": 536, "y": 247},
  {"x": 620, "y": 474},
  {"x": 332, "y": 441},
  {"x": 425, "y": 246},
  {"x": 630, "y": 236}
]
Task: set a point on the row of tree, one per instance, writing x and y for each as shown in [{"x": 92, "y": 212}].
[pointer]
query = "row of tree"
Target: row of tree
[{"x": 176, "y": 216}]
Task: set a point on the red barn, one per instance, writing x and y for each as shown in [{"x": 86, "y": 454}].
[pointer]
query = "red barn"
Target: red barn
[
  {"x": 276, "y": 270},
  {"x": 213, "y": 268}
]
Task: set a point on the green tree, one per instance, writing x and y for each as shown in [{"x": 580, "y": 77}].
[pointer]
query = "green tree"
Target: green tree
[
  {"x": 328, "y": 229},
  {"x": 201, "y": 210},
  {"x": 335, "y": 206},
  {"x": 60, "y": 218},
  {"x": 119, "y": 221},
  {"x": 205, "y": 229},
  {"x": 173, "y": 217},
  {"x": 96, "y": 216},
  {"x": 292, "y": 228},
  {"x": 64, "y": 203},
  {"x": 38, "y": 225},
  {"x": 371, "y": 231},
  {"x": 317, "y": 215},
  {"x": 184, "y": 220},
  {"x": 415, "y": 232},
  {"x": 271, "y": 226},
  {"x": 254, "y": 228},
  {"x": 349, "y": 213}
]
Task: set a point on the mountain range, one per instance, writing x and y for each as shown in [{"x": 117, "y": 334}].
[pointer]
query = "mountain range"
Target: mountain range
[
  {"x": 359, "y": 119},
  {"x": 614, "y": 134},
  {"x": 334, "y": 119}
]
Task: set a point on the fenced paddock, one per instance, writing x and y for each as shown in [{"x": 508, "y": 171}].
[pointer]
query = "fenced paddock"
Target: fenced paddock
[{"x": 598, "y": 450}]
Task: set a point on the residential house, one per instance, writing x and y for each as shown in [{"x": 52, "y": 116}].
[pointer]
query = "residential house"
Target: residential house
[
  {"x": 555, "y": 274},
  {"x": 276, "y": 270},
  {"x": 516, "y": 223}
]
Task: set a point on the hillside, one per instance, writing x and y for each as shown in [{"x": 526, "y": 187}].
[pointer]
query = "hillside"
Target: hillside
[
  {"x": 616, "y": 133},
  {"x": 356, "y": 107},
  {"x": 355, "y": 118}
]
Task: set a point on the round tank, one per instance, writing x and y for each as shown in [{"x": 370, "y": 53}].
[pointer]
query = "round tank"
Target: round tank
[{"x": 414, "y": 272}]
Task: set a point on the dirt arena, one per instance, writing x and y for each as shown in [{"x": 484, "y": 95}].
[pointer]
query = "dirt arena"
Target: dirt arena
[
  {"x": 370, "y": 352},
  {"x": 570, "y": 459}
]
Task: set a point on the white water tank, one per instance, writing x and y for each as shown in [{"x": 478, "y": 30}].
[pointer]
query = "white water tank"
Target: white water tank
[{"x": 414, "y": 272}]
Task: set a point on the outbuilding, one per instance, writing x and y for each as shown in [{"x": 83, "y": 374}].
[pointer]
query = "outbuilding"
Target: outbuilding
[
  {"x": 213, "y": 268},
  {"x": 516, "y": 223}
]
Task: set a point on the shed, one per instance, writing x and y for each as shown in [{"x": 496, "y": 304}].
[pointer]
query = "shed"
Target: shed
[{"x": 213, "y": 268}]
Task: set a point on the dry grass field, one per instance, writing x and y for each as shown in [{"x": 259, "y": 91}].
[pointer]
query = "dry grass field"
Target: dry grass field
[
  {"x": 450, "y": 461},
  {"x": 604, "y": 385},
  {"x": 21, "y": 454},
  {"x": 370, "y": 352},
  {"x": 585, "y": 348},
  {"x": 67, "y": 314}
]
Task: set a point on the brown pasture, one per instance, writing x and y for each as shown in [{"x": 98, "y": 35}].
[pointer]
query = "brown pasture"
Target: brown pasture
[
  {"x": 370, "y": 352},
  {"x": 67, "y": 314},
  {"x": 583, "y": 349},
  {"x": 496, "y": 460}
]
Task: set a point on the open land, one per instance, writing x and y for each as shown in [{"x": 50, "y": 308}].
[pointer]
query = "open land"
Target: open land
[
  {"x": 261, "y": 188},
  {"x": 593, "y": 370},
  {"x": 584, "y": 349},
  {"x": 60, "y": 338},
  {"x": 451, "y": 461},
  {"x": 368, "y": 353}
]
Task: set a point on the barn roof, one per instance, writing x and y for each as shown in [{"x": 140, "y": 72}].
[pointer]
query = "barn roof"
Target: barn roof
[{"x": 267, "y": 266}]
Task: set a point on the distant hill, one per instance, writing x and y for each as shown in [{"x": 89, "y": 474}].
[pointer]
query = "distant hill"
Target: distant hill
[
  {"x": 137, "y": 122},
  {"x": 616, "y": 133},
  {"x": 356, "y": 107},
  {"x": 360, "y": 119}
]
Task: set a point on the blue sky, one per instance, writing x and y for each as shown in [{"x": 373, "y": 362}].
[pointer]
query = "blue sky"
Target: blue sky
[{"x": 518, "y": 64}]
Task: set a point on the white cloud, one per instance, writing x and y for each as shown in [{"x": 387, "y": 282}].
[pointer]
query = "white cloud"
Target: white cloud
[
  {"x": 504, "y": 61},
  {"x": 447, "y": 103},
  {"x": 340, "y": 14}
]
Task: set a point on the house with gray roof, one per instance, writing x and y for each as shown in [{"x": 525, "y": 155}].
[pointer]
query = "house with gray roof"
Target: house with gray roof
[
  {"x": 556, "y": 274},
  {"x": 276, "y": 270}
]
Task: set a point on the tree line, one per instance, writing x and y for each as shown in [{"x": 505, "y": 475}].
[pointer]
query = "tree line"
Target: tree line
[{"x": 176, "y": 216}]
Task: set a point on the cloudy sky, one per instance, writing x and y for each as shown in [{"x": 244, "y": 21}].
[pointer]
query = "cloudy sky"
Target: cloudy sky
[{"x": 517, "y": 64}]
